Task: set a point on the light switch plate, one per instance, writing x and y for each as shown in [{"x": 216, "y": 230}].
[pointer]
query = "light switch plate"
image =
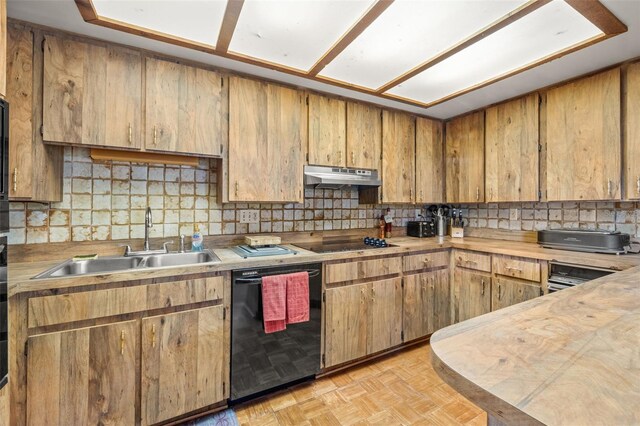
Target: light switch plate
[
  {"x": 249, "y": 216},
  {"x": 514, "y": 214}
]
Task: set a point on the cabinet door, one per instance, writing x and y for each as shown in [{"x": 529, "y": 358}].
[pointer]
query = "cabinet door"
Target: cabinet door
[
  {"x": 182, "y": 362},
  {"x": 346, "y": 323},
  {"x": 364, "y": 136},
  {"x": 583, "y": 139},
  {"x": 415, "y": 321},
  {"x": 92, "y": 94},
  {"x": 472, "y": 294},
  {"x": 267, "y": 136},
  {"x": 398, "y": 157},
  {"x": 327, "y": 131},
  {"x": 85, "y": 376},
  {"x": 20, "y": 98},
  {"x": 506, "y": 292},
  {"x": 464, "y": 154},
  {"x": 184, "y": 109},
  {"x": 429, "y": 161},
  {"x": 385, "y": 315},
  {"x": 632, "y": 132},
  {"x": 441, "y": 300},
  {"x": 511, "y": 150}
]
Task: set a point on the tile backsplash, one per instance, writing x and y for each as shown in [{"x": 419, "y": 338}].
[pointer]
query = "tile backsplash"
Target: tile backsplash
[{"x": 107, "y": 201}]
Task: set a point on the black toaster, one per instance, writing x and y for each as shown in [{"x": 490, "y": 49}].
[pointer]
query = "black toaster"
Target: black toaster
[{"x": 421, "y": 228}]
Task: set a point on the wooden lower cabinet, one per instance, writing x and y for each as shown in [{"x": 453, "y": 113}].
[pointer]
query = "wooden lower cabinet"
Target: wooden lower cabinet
[
  {"x": 506, "y": 292},
  {"x": 385, "y": 315},
  {"x": 182, "y": 362},
  {"x": 362, "y": 319},
  {"x": 471, "y": 294},
  {"x": 84, "y": 376},
  {"x": 427, "y": 303},
  {"x": 346, "y": 323}
]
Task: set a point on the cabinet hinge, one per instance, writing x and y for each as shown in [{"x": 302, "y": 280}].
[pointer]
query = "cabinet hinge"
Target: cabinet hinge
[
  {"x": 307, "y": 100},
  {"x": 26, "y": 348},
  {"x": 402, "y": 283},
  {"x": 221, "y": 81},
  {"x": 42, "y": 44},
  {"x": 323, "y": 360},
  {"x": 224, "y": 313},
  {"x": 402, "y": 335},
  {"x": 539, "y": 195},
  {"x": 42, "y": 130},
  {"x": 307, "y": 156},
  {"x": 221, "y": 148},
  {"x": 324, "y": 296},
  {"x": 539, "y": 147}
]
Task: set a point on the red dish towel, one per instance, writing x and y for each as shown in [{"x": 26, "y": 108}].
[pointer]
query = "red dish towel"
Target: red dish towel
[
  {"x": 297, "y": 297},
  {"x": 274, "y": 296}
]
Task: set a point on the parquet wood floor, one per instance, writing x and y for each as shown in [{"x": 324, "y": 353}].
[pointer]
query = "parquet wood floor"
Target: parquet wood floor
[{"x": 400, "y": 389}]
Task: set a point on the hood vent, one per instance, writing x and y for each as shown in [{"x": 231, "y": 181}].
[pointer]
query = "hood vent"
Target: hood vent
[{"x": 322, "y": 177}]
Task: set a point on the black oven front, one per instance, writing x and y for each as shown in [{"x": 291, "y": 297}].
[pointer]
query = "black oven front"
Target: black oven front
[{"x": 4, "y": 348}]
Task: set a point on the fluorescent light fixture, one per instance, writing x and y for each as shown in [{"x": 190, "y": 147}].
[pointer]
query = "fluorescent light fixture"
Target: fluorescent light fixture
[
  {"x": 410, "y": 32},
  {"x": 295, "y": 34},
  {"x": 195, "y": 20},
  {"x": 544, "y": 32}
]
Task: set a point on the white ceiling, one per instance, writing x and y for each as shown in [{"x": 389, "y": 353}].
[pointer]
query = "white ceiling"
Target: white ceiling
[{"x": 63, "y": 14}]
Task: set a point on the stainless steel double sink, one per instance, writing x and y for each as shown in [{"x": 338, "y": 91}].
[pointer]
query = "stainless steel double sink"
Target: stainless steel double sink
[{"x": 124, "y": 263}]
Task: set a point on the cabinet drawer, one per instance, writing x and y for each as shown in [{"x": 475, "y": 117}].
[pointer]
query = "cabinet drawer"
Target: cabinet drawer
[
  {"x": 473, "y": 260},
  {"x": 416, "y": 262},
  {"x": 59, "y": 309},
  {"x": 349, "y": 271},
  {"x": 517, "y": 267}
]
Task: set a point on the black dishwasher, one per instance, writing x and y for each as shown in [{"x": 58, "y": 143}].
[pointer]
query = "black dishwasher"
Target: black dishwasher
[{"x": 262, "y": 362}]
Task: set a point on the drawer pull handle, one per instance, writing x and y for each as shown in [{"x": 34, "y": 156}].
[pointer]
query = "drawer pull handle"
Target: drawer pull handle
[
  {"x": 155, "y": 135},
  {"x": 153, "y": 336},
  {"x": 130, "y": 134},
  {"x": 511, "y": 268},
  {"x": 353, "y": 158},
  {"x": 482, "y": 292},
  {"x": 471, "y": 262},
  {"x": 477, "y": 193},
  {"x": 15, "y": 179},
  {"x": 609, "y": 187},
  {"x": 498, "y": 291},
  {"x": 122, "y": 342}
]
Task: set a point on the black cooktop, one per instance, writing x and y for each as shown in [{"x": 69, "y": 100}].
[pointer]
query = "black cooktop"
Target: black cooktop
[{"x": 336, "y": 246}]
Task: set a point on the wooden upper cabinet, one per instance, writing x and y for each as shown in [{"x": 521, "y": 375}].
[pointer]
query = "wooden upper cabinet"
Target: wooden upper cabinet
[
  {"x": 35, "y": 169},
  {"x": 84, "y": 376},
  {"x": 429, "y": 161},
  {"x": 327, "y": 131},
  {"x": 186, "y": 109},
  {"x": 398, "y": 157},
  {"x": 3, "y": 47},
  {"x": 632, "y": 132},
  {"x": 465, "y": 159},
  {"x": 583, "y": 139},
  {"x": 267, "y": 142},
  {"x": 182, "y": 363},
  {"x": 364, "y": 136},
  {"x": 92, "y": 94},
  {"x": 511, "y": 150}
]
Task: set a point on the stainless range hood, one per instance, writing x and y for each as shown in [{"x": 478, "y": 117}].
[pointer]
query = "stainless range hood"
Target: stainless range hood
[{"x": 323, "y": 177}]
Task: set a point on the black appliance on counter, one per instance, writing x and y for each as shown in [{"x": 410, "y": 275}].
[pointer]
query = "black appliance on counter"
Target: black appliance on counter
[
  {"x": 591, "y": 241},
  {"x": 261, "y": 362},
  {"x": 421, "y": 228},
  {"x": 4, "y": 232}
]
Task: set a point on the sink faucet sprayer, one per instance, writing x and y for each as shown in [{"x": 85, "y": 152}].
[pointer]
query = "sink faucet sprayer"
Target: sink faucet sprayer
[{"x": 148, "y": 223}]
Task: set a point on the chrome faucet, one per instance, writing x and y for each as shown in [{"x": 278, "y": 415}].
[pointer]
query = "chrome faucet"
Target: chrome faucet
[
  {"x": 148, "y": 223},
  {"x": 182, "y": 243}
]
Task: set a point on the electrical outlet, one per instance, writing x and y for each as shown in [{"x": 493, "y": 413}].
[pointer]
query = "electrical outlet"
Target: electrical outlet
[
  {"x": 249, "y": 216},
  {"x": 514, "y": 214}
]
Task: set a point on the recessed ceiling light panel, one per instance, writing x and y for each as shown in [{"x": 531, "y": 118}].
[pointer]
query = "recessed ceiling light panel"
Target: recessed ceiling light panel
[
  {"x": 194, "y": 20},
  {"x": 293, "y": 33},
  {"x": 408, "y": 33},
  {"x": 544, "y": 32}
]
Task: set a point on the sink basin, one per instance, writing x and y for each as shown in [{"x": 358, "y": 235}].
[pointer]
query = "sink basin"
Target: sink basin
[
  {"x": 123, "y": 263},
  {"x": 179, "y": 259},
  {"x": 92, "y": 266}
]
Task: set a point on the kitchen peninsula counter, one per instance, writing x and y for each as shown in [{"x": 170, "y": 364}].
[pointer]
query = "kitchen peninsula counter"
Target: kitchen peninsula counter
[{"x": 569, "y": 358}]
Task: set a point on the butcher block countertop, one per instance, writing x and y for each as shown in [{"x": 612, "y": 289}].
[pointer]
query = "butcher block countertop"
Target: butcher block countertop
[
  {"x": 21, "y": 273},
  {"x": 569, "y": 358}
]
